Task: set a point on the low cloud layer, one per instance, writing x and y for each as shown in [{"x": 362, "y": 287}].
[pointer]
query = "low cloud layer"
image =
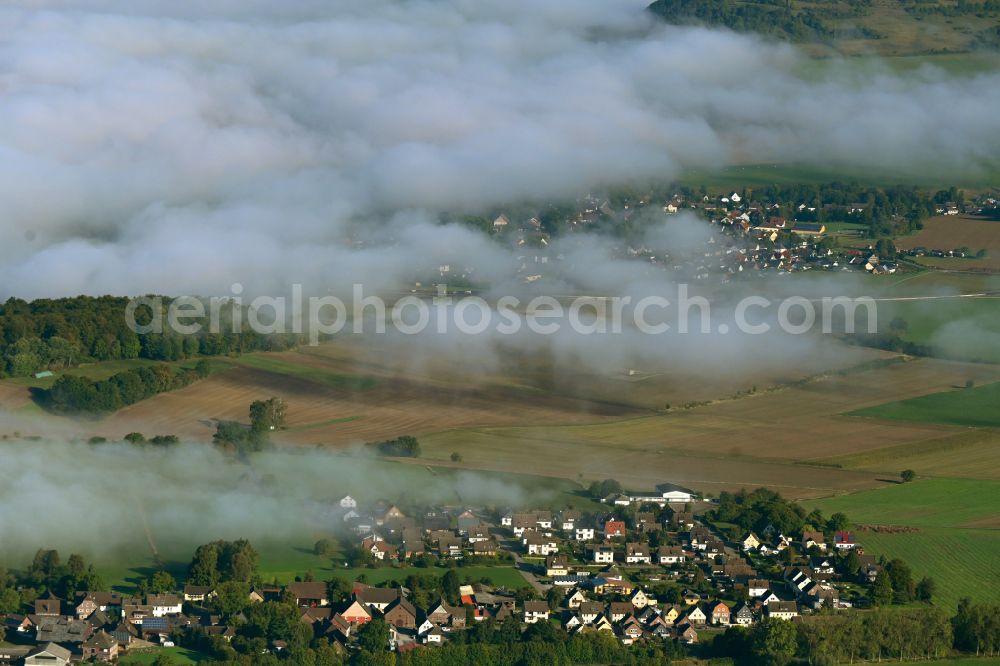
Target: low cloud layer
[
  {"x": 100, "y": 499},
  {"x": 178, "y": 147}
]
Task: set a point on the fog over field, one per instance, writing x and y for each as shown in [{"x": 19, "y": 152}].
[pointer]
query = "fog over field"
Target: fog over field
[
  {"x": 57, "y": 494},
  {"x": 178, "y": 147}
]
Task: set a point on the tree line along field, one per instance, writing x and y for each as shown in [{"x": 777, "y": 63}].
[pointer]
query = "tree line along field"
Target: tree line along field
[
  {"x": 957, "y": 531},
  {"x": 944, "y": 232}
]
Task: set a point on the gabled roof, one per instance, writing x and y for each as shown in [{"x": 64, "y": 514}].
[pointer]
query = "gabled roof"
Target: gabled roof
[
  {"x": 375, "y": 595},
  {"x": 536, "y": 607},
  {"x": 401, "y": 604},
  {"x": 308, "y": 590},
  {"x": 53, "y": 649}
]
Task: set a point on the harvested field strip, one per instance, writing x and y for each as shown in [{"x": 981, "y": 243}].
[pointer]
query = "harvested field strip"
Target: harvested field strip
[
  {"x": 323, "y": 424},
  {"x": 973, "y": 454}
]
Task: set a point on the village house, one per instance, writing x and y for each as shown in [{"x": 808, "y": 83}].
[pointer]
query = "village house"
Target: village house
[
  {"x": 630, "y": 630},
  {"x": 604, "y": 554},
  {"x": 811, "y": 538},
  {"x": 589, "y": 611},
  {"x": 198, "y": 593},
  {"x": 100, "y": 647},
  {"x": 646, "y": 522},
  {"x": 434, "y": 635},
  {"x": 467, "y": 521},
  {"x": 583, "y": 533},
  {"x": 637, "y": 553},
  {"x": 535, "y": 611},
  {"x": 782, "y": 610},
  {"x": 166, "y": 604},
  {"x": 617, "y": 610},
  {"x": 844, "y": 541},
  {"x": 89, "y": 602},
  {"x": 477, "y": 534},
  {"x": 671, "y": 555},
  {"x": 382, "y": 550},
  {"x": 718, "y": 613},
  {"x": 62, "y": 630},
  {"x": 611, "y": 582},
  {"x": 568, "y": 520},
  {"x": 574, "y": 600},
  {"x": 769, "y": 598},
  {"x": 756, "y": 587},
  {"x": 641, "y": 600},
  {"x": 309, "y": 594},
  {"x": 742, "y": 615},
  {"x": 687, "y": 634},
  {"x": 750, "y": 542},
  {"x": 356, "y": 613},
  {"x": 49, "y": 605},
  {"x": 614, "y": 528},
  {"x": 401, "y": 614},
  {"x": 48, "y": 654},
  {"x": 378, "y": 598},
  {"x": 690, "y": 597},
  {"x": 556, "y": 565},
  {"x": 484, "y": 548},
  {"x": 671, "y": 613},
  {"x": 693, "y": 615},
  {"x": 537, "y": 543}
]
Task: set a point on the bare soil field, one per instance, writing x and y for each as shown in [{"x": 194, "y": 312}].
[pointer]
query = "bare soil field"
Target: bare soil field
[
  {"x": 13, "y": 396},
  {"x": 953, "y": 232}
]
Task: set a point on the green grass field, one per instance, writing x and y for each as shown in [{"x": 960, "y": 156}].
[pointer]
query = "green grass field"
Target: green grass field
[
  {"x": 963, "y": 562},
  {"x": 757, "y": 175},
  {"x": 179, "y": 656},
  {"x": 977, "y": 407},
  {"x": 958, "y": 538},
  {"x": 314, "y": 374},
  {"x": 924, "y": 503},
  {"x": 105, "y": 369}
]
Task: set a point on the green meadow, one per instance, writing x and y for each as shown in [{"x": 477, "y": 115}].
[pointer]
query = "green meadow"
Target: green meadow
[
  {"x": 267, "y": 363},
  {"x": 957, "y": 531},
  {"x": 977, "y": 407},
  {"x": 178, "y": 656}
]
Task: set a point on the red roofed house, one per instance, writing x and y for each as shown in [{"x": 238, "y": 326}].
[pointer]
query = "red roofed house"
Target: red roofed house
[
  {"x": 844, "y": 541},
  {"x": 614, "y": 528}
]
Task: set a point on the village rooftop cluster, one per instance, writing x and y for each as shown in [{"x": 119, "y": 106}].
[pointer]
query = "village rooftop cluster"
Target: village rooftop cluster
[{"x": 648, "y": 567}]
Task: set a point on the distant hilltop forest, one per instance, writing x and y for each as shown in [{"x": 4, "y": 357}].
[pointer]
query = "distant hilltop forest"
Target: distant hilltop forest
[{"x": 888, "y": 27}]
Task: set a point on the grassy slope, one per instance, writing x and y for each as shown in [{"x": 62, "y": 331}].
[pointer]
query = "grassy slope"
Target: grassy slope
[
  {"x": 179, "y": 657},
  {"x": 957, "y": 542},
  {"x": 972, "y": 455},
  {"x": 317, "y": 375},
  {"x": 976, "y": 407}
]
